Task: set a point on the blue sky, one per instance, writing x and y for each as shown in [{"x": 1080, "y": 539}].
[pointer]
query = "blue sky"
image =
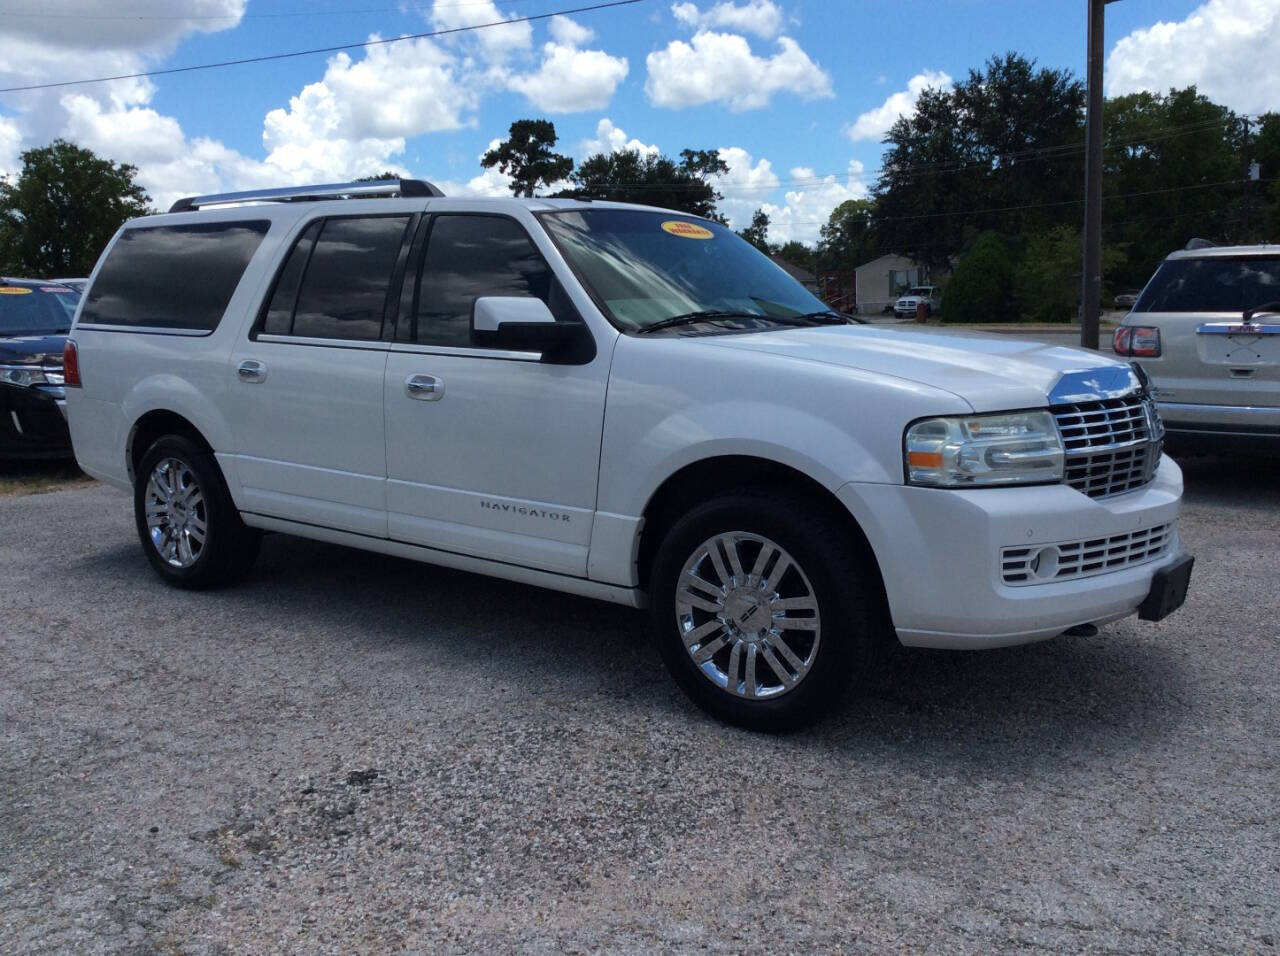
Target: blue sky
[{"x": 796, "y": 94}]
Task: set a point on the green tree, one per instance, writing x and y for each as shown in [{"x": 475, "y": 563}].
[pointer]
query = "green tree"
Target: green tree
[
  {"x": 527, "y": 158},
  {"x": 798, "y": 254},
  {"x": 758, "y": 232},
  {"x": 1166, "y": 158},
  {"x": 386, "y": 174},
  {"x": 847, "y": 240},
  {"x": 65, "y": 205},
  {"x": 653, "y": 180},
  {"x": 981, "y": 287},
  {"x": 997, "y": 152},
  {"x": 1048, "y": 274}
]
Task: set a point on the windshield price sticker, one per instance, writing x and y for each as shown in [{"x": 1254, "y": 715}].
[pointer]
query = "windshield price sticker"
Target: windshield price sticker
[
  {"x": 14, "y": 290},
  {"x": 687, "y": 230}
]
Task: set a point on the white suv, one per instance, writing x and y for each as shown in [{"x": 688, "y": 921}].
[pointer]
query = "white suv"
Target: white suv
[
  {"x": 930, "y": 296},
  {"x": 619, "y": 402}
]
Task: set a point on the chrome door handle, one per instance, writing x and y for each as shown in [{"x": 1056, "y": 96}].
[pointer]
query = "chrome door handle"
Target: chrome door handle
[
  {"x": 425, "y": 388},
  {"x": 252, "y": 371}
]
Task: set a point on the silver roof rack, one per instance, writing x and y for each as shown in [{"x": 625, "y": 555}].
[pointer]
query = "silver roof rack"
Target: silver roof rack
[{"x": 359, "y": 190}]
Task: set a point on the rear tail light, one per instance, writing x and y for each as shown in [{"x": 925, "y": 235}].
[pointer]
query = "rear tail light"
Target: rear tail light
[
  {"x": 1137, "y": 341},
  {"x": 71, "y": 364}
]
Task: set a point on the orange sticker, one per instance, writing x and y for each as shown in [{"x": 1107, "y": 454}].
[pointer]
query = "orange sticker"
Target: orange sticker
[
  {"x": 14, "y": 290},
  {"x": 687, "y": 230}
]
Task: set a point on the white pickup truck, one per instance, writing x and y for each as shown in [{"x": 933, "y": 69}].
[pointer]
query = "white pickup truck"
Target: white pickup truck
[{"x": 620, "y": 402}]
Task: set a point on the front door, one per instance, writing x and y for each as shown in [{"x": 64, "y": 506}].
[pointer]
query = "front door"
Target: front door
[{"x": 490, "y": 453}]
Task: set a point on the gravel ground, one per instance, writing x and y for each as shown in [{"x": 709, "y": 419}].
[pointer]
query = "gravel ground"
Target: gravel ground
[{"x": 355, "y": 753}]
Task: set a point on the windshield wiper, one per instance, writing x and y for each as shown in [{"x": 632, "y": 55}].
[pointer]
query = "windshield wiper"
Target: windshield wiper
[
  {"x": 822, "y": 317},
  {"x": 703, "y": 315}
]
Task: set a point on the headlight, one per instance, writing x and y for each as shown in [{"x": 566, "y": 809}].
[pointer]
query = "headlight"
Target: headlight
[
  {"x": 980, "y": 450},
  {"x": 30, "y": 375}
]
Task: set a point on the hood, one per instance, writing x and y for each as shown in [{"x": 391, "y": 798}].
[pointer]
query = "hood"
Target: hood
[
  {"x": 990, "y": 372},
  {"x": 32, "y": 349}
]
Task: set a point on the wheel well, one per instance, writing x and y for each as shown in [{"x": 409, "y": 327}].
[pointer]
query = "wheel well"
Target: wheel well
[
  {"x": 696, "y": 483},
  {"x": 154, "y": 425}
]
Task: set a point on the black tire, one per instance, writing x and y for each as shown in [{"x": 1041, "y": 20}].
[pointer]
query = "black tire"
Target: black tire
[
  {"x": 846, "y": 592},
  {"x": 229, "y": 547}
]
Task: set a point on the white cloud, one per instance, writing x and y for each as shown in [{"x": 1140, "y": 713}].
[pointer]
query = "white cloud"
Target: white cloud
[
  {"x": 569, "y": 79},
  {"x": 492, "y": 182},
  {"x": 148, "y": 26},
  {"x": 1223, "y": 47},
  {"x": 10, "y": 147},
  {"x": 609, "y": 139},
  {"x": 720, "y": 67},
  {"x": 498, "y": 43},
  {"x": 744, "y": 187},
  {"x": 569, "y": 32},
  {"x": 761, "y": 17},
  {"x": 809, "y": 203},
  {"x": 873, "y": 124}
]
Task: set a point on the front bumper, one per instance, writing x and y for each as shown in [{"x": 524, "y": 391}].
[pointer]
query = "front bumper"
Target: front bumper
[
  {"x": 940, "y": 555},
  {"x": 33, "y": 423}
]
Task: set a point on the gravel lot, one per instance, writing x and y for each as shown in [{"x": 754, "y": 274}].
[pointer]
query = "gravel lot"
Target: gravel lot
[{"x": 356, "y": 753}]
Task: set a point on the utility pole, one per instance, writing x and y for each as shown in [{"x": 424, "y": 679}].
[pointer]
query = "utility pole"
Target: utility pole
[
  {"x": 1244, "y": 186},
  {"x": 1091, "y": 279}
]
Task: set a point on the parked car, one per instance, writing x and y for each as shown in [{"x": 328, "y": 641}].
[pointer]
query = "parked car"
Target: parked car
[
  {"x": 930, "y": 295},
  {"x": 35, "y": 317},
  {"x": 1206, "y": 331},
  {"x": 427, "y": 377},
  {"x": 1125, "y": 300}
]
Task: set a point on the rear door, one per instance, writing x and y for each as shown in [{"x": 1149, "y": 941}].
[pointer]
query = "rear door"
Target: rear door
[
  {"x": 1208, "y": 356},
  {"x": 305, "y": 396}
]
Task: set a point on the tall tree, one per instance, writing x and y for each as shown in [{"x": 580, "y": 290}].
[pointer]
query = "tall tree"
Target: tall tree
[
  {"x": 847, "y": 240},
  {"x": 526, "y": 156},
  {"x": 63, "y": 208},
  {"x": 758, "y": 232},
  {"x": 653, "y": 180}
]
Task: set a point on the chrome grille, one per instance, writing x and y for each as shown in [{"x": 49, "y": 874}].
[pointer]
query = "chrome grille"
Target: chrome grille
[
  {"x": 1112, "y": 446},
  {"x": 1042, "y": 563}
]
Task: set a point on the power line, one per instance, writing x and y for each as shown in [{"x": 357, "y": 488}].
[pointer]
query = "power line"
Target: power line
[
  {"x": 243, "y": 16},
  {"x": 364, "y": 44}
]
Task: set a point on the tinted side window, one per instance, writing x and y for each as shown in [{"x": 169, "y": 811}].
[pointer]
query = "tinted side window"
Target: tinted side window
[
  {"x": 344, "y": 288},
  {"x": 471, "y": 256},
  {"x": 174, "y": 277},
  {"x": 1212, "y": 284},
  {"x": 278, "y": 319}
]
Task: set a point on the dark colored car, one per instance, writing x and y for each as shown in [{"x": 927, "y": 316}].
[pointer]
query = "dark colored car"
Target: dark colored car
[{"x": 35, "y": 318}]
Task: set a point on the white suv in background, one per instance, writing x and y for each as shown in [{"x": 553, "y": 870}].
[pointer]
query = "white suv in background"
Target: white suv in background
[
  {"x": 621, "y": 402},
  {"x": 928, "y": 295},
  {"x": 1206, "y": 329}
]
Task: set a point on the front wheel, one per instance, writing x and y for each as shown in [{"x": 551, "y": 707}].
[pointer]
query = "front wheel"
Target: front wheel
[
  {"x": 189, "y": 527},
  {"x": 761, "y": 610}
]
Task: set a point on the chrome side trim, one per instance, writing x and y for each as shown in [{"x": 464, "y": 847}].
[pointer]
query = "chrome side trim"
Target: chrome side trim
[
  {"x": 414, "y": 349},
  {"x": 142, "y": 330},
  {"x": 628, "y": 597},
  {"x": 1094, "y": 385},
  {"x": 362, "y": 344},
  {"x": 1173, "y": 409}
]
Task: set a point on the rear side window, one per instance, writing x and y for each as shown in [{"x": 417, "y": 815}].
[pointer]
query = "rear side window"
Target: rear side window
[
  {"x": 334, "y": 283},
  {"x": 1212, "y": 284},
  {"x": 173, "y": 277}
]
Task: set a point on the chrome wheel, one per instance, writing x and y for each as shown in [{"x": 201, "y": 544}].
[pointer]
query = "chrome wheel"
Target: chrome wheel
[
  {"x": 747, "y": 615},
  {"x": 177, "y": 520}
]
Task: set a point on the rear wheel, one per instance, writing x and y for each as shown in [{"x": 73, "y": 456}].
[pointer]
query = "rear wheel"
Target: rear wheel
[
  {"x": 189, "y": 527},
  {"x": 761, "y": 612}
]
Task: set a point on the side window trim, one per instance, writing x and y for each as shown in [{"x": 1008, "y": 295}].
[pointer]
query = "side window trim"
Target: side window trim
[{"x": 256, "y": 330}]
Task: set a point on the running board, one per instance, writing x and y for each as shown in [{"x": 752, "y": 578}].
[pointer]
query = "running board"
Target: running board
[{"x": 628, "y": 597}]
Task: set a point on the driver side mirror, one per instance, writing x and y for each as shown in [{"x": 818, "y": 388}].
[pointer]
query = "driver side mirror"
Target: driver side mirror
[{"x": 525, "y": 324}]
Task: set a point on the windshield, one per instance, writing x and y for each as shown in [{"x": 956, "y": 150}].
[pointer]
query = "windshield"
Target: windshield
[
  {"x": 649, "y": 267},
  {"x": 32, "y": 310},
  {"x": 923, "y": 290},
  {"x": 1212, "y": 284}
]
